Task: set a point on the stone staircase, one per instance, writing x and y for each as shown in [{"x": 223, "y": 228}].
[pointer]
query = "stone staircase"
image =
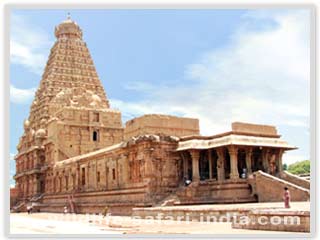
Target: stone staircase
[
  {"x": 210, "y": 191},
  {"x": 37, "y": 198},
  {"x": 172, "y": 198},
  {"x": 229, "y": 191},
  {"x": 269, "y": 188},
  {"x": 20, "y": 207},
  {"x": 35, "y": 201},
  {"x": 289, "y": 177},
  {"x": 302, "y": 225}
]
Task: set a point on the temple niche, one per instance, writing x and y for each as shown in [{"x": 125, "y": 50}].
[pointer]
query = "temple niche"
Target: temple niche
[{"x": 75, "y": 151}]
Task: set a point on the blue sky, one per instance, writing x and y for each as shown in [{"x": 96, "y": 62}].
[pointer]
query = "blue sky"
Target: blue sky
[{"x": 217, "y": 65}]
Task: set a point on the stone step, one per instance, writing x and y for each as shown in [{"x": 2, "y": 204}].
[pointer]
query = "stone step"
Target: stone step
[
  {"x": 287, "y": 220},
  {"x": 270, "y": 188},
  {"x": 236, "y": 213},
  {"x": 216, "y": 201},
  {"x": 216, "y": 192}
]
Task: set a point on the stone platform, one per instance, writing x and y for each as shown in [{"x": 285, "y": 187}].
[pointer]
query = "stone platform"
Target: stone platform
[
  {"x": 232, "y": 213},
  {"x": 283, "y": 220},
  {"x": 57, "y": 223},
  {"x": 213, "y": 192}
]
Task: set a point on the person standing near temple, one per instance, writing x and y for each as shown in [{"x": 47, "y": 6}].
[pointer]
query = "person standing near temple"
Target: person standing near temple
[
  {"x": 29, "y": 209},
  {"x": 65, "y": 210},
  {"x": 286, "y": 198},
  {"x": 105, "y": 211}
]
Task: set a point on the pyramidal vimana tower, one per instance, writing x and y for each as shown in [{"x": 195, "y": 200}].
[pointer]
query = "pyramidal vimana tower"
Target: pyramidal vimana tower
[{"x": 76, "y": 152}]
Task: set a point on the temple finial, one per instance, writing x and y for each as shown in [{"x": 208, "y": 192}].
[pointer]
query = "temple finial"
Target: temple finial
[{"x": 68, "y": 15}]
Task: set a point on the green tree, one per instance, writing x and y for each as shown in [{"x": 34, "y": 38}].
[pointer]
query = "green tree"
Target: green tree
[{"x": 301, "y": 167}]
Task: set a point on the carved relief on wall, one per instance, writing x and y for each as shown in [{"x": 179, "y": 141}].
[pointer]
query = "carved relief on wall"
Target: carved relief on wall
[{"x": 78, "y": 97}]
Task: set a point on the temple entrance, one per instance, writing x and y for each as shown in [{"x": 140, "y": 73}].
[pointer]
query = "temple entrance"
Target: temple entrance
[
  {"x": 189, "y": 169},
  {"x": 214, "y": 157},
  {"x": 227, "y": 168},
  {"x": 42, "y": 186},
  {"x": 186, "y": 167},
  {"x": 257, "y": 160},
  {"x": 241, "y": 161},
  {"x": 60, "y": 184},
  {"x": 204, "y": 165}
]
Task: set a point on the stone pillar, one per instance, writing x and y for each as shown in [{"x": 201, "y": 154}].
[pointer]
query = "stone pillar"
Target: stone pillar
[
  {"x": 265, "y": 159},
  {"x": 73, "y": 180},
  {"x": 88, "y": 182},
  {"x": 36, "y": 159},
  {"x": 220, "y": 165},
  {"x": 195, "y": 154},
  {"x": 31, "y": 186},
  {"x": 25, "y": 164},
  {"x": 210, "y": 163},
  {"x": 48, "y": 185},
  {"x": 273, "y": 164},
  {"x": 279, "y": 160},
  {"x": 60, "y": 186},
  {"x": 26, "y": 188},
  {"x": 78, "y": 178},
  {"x": 185, "y": 165},
  {"x": 36, "y": 185},
  {"x": 53, "y": 183},
  {"x": 233, "y": 152},
  {"x": 248, "y": 160}
]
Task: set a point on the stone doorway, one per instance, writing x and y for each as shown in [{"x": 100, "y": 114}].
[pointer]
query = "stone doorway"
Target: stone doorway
[
  {"x": 214, "y": 157},
  {"x": 241, "y": 161},
  {"x": 189, "y": 169},
  {"x": 227, "y": 167},
  {"x": 42, "y": 186},
  {"x": 204, "y": 165},
  {"x": 257, "y": 160}
]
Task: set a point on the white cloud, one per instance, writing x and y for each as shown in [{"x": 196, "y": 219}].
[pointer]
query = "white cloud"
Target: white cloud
[
  {"x": 28, "y": 45},
  {"x": 139, "y": 86},
  {"x": 12, "y": 156},
  {"x": 21, "y": 96},
  {"x": 131, "y": 110},
  {"x": 261, "y": 76}
]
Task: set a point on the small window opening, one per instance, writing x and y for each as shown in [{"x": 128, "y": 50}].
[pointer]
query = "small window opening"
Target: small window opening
[
  {"x": 113, "y": 174},
  {"x": 95, "y": 136},
  {"x": 98, "y": 177},
  {"x": 83, "y": 177}
]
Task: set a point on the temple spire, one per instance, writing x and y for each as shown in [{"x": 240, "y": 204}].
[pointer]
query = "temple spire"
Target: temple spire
[{"x": 69, "y": 80}]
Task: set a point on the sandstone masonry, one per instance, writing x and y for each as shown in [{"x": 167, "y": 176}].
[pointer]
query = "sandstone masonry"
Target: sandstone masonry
[{"x": 75, "y": 151}]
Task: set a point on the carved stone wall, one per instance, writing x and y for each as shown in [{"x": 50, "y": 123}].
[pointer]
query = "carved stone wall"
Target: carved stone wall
[
  {"x": 144, "y": 168},
  {"x": 161, "y": 124},
  {"x": 70, "y": 113}
]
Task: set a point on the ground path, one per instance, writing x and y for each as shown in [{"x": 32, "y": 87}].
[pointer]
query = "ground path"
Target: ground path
[{"x": 55, "y": 223}]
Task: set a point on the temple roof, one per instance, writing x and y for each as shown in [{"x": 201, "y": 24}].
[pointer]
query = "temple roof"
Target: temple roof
[
  {"x": 88, "y": 155},
  {"x": 69, "y": 80},
  {"x": 232, "y": 138},
  {"x": 68, "y": 28}
]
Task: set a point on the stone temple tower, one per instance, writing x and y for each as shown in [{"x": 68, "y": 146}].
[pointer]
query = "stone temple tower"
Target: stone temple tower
[{"x": 70, "y": 114}]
